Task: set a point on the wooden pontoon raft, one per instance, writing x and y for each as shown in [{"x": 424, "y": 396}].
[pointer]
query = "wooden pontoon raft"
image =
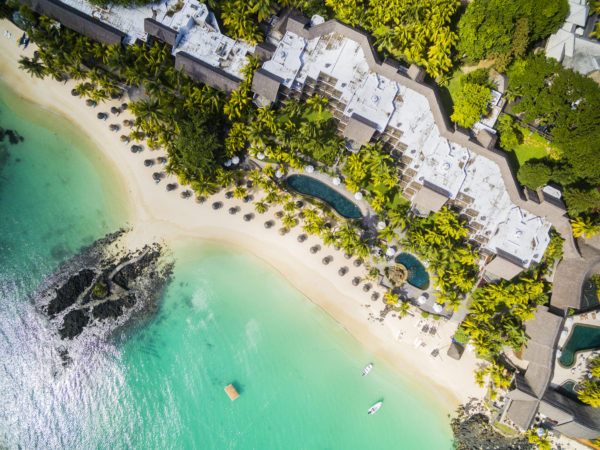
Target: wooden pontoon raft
[{"x": 231, "y": 391}]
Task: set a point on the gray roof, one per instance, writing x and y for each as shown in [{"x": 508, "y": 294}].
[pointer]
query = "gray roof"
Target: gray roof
[
  {"x": 586, "y": 419},
  {"x": 487, "y": 139},
  {"x": 266, "y": 85},
  {"x": 160, "y": 31},
  {"x": 264, "y": 51},
  {"x": 455, "y": 351},
  {"x": 570, "y": 275},
  {"x": 503, "y": 268},
  {"x": 522, "y": 412},
  {"x": 428, "y": 199},
  {"x": 205, "y": 73},
  {"x": 77, "y": 21},
  {"x": 359, "y": 129}
]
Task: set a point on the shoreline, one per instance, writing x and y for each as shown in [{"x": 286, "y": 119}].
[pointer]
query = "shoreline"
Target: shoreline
[{"x": 157, "y": 215}]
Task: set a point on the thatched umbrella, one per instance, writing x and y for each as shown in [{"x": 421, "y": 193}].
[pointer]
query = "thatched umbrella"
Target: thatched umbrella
[
  {"x": 228, "y": 194},
  {"x": 157, "y": 176},
  {"x": 279, "y": 214},
  {"x": 200, "y": 199},
  {"x": 249, "y": 184},
  {"x": 102, "y": 116},
  {"x": 269, "y": 224},
  {"x": 186, "y": 194},
  {"x": 327, "y": 259},
  {"x": 301, "y": 238},
  {"x": 347, "y": 255},
  {"x": 375, "y": 296},
  {"x": 299, "y": 204},
  {"x": 217, "y": 205},
  {"x": 233, "y": 210},
  {"x": 115, "y": 110},
  {"x": 367, "y": 287},
  {"x": 123, "y": 106},
  {"x": 171, "y": 187},
  {"x": 315, "y": 248},
  {"x": 74, "y": 93},
  {"x": 248, "y": 198},
  {"x": 357, "y": 262},
  {"x": 124, "y": 138},
  {"x": 161, "y": 160},
  {"x": 355, "y": 281},
  {"x": 136, "y": 148},
  {"x": 342, "y": 271},
  {"x": 114, "y": 127},
  {"x": 90, "y": 102},
  {"x": 148, "y": 162},
  {"x": 284, "y": 230},
  {"x": 248, "y": 217},
  {"x": 128, "y": 123}
]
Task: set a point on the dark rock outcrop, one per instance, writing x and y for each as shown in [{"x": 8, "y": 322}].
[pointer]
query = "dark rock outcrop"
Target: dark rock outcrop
[
  {"x": 73, "y": 323},
  {"x": 68, "y": 293}
]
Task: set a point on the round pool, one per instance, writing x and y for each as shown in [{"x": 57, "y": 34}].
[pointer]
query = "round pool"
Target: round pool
[{"x": 417, "y": 274}]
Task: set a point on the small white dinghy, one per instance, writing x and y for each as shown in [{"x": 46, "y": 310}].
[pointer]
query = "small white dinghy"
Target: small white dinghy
[
  {"x": 376, "y": 407},
  {"x": 367, "y": 369}
]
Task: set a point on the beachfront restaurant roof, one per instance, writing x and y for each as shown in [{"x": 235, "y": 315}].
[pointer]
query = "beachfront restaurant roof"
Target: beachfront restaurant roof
[
  {"x": 205, "y": 73},
  {"x": 160, "y": 31}
]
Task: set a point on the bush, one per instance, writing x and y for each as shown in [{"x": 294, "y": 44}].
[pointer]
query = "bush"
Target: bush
[
  {"x": 581, "y": 201},
  {"x": 100, "y": 290},
  {"x": 534, "y": 174}
]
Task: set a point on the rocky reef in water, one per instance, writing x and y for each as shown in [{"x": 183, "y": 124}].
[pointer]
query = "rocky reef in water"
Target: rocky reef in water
[{"x": 102, "y": 289}]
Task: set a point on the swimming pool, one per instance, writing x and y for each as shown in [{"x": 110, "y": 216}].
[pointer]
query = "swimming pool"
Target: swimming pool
[
  {"x": 314, "y": 188},
  {"x": 583, "y": 337},
  {"x": 417, "y": 274}
]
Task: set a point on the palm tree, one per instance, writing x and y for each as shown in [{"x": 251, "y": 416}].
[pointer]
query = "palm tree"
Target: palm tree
[
  {"x": 584, "y": 227},
  {"x": 390, "y": 298},
  {"x": 289, "y": 221},
  {"x": 261, "y": 207},
  {"x": 33, "y": 66}
]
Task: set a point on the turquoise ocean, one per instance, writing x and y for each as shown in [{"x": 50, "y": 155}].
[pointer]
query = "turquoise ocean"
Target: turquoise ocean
[{"x": 225, "y": 317}]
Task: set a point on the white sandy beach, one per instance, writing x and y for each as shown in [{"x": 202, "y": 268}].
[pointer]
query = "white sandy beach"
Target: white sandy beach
[{"x": 157, "y": 215}]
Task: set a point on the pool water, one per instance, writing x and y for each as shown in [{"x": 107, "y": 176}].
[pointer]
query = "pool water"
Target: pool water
[
  {"x": 314, "y": 188},
  {"x": 417, "y": 274},
  {"x": 583, "y": 337}
]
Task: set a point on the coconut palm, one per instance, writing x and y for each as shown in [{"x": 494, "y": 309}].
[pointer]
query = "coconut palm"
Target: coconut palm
[
  {"x": 33, "y": 66},
  {"x": 584, "y": 227}
]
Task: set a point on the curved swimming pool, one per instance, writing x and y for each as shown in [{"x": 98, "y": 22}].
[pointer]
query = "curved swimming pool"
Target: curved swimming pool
[
  {"x": 417, "y": 274},
  {"x": 582, "y": 337},
  {"x": 314, "y": 188}
]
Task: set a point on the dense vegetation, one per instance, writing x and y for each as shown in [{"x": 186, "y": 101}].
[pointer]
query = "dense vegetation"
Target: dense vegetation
[
  {"x": 472, "y": 101},
  {"x": 441, "y": 239},
  {"x": 568, "y": 104},
  {"x": 504, "y": 29},
  {"x": 588, "y": 390}
]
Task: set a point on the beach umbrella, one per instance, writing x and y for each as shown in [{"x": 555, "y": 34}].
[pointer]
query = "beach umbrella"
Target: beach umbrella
[
  {"x": 421, "y": 300},
  {"x": 366, "y": 287},
  {"x": 358, "y": 195},
  {"x": 381, "y": 225},
  {"x": 279, "y": 173},
  {"x": 437, "y": 308},
  {"x": 355, "y": 281},
  {"x": 315, "y": 248},
  {"x": 558, "y": 353},
  {"x": 336, "y": 181},
  {"x": 227, "y": 163},
  {"x": 309, "y": 169},
  {"x": 235, "y": 160},
  {"x": 390, "y": 251},
  {"x": 374, "y": 296},
  {"x": 260, "y": 155}
]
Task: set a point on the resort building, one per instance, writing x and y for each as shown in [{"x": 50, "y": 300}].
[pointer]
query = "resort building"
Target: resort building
[
  {"x": 371, "y": 100},
  {"x": 384, "y": 101},
  {"x": 534, "y": 400},
  {"x": 572, "y": 44}
]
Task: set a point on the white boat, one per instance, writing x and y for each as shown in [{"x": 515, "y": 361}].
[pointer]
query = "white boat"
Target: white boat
[
  {"x": 376, "y": 407},
  {"x": 367, "y": 369}
]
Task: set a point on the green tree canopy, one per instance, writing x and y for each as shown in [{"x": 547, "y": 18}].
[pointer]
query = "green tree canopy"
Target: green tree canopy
[
  {"x": 473, "y": 98},
  {"x": 504, "y": 29},
  {"x": 534, "y": 173}
]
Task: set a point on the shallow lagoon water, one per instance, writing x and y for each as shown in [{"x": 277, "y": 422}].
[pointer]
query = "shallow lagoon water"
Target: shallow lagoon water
[{"x": 226, "y": 317}]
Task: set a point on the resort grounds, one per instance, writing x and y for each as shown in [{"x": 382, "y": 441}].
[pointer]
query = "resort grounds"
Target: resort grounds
[{"x": 158, "y": 215}]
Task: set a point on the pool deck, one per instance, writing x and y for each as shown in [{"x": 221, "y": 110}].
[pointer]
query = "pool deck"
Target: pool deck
[{"x": 578, "y": 369}]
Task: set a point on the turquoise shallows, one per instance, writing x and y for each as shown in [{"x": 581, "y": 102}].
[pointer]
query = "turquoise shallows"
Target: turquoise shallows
[
  {"x": 314, "y": 188},
  {"x": 226, "y": 317},
  {"x": 582, "y": 337},
  {"x": 417, "y": 274}
]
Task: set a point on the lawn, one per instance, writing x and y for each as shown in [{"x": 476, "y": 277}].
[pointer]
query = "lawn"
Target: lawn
[{"x": 533, "y": 146}]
